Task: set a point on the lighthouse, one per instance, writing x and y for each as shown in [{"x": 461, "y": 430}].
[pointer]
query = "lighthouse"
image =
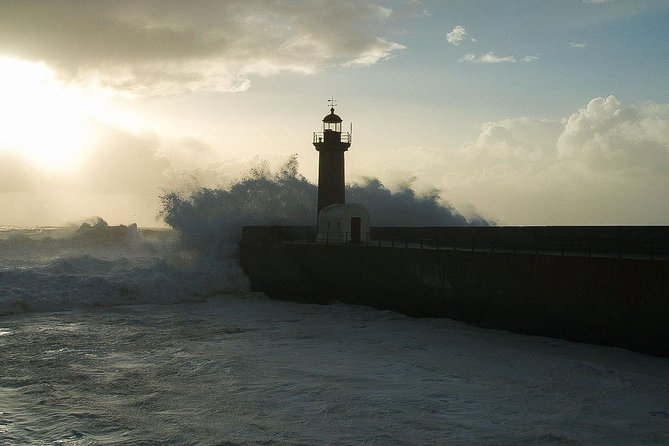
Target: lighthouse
[
  {"x": 337, "y": 220},
  {"x": 331, "y": 144}
]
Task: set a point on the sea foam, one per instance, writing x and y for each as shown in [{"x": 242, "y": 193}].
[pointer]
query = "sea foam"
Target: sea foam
[{"x": 100, "y": 265}]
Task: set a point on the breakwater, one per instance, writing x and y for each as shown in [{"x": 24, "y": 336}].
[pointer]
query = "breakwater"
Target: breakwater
[{"x": 606, "y": 285}]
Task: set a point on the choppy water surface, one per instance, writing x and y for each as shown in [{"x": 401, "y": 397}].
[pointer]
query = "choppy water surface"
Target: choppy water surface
[
  {"x": 247, "y": 370},
  {"x": 178, "y": 368}
]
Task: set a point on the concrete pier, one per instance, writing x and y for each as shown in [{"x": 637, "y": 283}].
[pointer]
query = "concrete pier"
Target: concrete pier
[{"x": 607, "y": 296}]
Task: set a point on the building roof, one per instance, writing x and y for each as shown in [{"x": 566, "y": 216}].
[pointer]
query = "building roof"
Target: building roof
[{"x": 332, "y": 118}]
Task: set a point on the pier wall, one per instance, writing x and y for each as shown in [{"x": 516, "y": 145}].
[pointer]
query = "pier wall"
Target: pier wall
[{"x": 605, "y": 299}]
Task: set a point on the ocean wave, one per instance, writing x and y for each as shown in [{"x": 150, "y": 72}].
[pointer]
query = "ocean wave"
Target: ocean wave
[
  {"x": 102, "y": 265},
  {"x": 206, "y": 218},
  {"x": 94, "y": 264}
]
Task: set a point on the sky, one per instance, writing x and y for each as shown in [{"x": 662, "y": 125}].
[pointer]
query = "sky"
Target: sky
[{"x": 542, "y": 112}]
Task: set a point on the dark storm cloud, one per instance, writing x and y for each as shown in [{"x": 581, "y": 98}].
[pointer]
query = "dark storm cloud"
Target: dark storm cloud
[{"x": 156, "y": 47}]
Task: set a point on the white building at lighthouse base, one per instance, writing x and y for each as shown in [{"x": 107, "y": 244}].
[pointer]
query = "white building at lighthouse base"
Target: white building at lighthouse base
[{"x": 345, "y": 223}]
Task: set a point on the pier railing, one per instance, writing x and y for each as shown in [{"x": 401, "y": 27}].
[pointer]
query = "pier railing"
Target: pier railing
[
  {"x": 649, "y": 242},
  {"x": 622, "y": 242}
]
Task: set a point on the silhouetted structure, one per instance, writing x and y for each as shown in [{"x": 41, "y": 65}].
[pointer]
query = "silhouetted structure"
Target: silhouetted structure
[
  {"x": 337, "y": 220},
  {"x": 603, "y": 285},
  {"x": 331, "y": 144},
  {"x": 607, "y": 285}
]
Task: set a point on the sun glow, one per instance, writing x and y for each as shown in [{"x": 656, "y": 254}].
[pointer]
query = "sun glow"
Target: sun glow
[{"x": 41, "y": 116}]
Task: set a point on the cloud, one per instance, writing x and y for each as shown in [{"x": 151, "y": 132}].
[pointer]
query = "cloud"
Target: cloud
[
  {"x": 577, "y": 45},
  {"x": 458, "y": 35},
  {"x": 607, "y": 163},
  {"x": 489, "y": 58},
  {"x": 492, "y": 58},
  {"x": 607, "y": 136},
  {"x": 381, "y": 50},
  {"x": 163, "y": 47}
]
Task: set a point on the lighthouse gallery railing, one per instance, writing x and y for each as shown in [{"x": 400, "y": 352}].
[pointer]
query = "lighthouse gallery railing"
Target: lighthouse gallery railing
[{"x": 320, "y": 137}]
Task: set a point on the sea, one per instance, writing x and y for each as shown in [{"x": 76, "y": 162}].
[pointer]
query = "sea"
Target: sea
[{"x": 115, "y": 335}]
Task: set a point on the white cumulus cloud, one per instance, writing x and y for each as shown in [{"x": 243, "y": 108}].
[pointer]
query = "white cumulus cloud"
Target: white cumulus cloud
[
  {"x": 607, "y": 163},
  {"x": 458, "y": 35},
  {"x": 611, "y": 137}
]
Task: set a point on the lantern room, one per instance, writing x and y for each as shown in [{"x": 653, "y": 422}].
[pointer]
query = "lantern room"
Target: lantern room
[{"x": 332, "y": 122}]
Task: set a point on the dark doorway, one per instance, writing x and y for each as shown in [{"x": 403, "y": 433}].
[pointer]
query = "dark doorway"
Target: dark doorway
[{"x": 355, "y": 229}]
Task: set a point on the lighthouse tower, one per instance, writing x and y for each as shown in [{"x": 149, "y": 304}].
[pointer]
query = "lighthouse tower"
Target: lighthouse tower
[
  {"x": 331, "y": 144},
  {"x": 337, "y": 220}
]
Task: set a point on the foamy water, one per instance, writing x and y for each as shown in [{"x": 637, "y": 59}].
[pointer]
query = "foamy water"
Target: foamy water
[
  {"x": 48, "y": 269},
  {"x": 155, "y": 346}
]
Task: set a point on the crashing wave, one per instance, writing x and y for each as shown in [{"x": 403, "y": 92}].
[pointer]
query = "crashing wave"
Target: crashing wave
[
  {"x": 101, "y": 233},
  {"x": 102, "y": 265},
  {"x": 208, "y": 218}
]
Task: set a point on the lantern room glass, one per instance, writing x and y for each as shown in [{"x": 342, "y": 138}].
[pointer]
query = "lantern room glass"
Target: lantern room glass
[{"x": 332, "y": 126}]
